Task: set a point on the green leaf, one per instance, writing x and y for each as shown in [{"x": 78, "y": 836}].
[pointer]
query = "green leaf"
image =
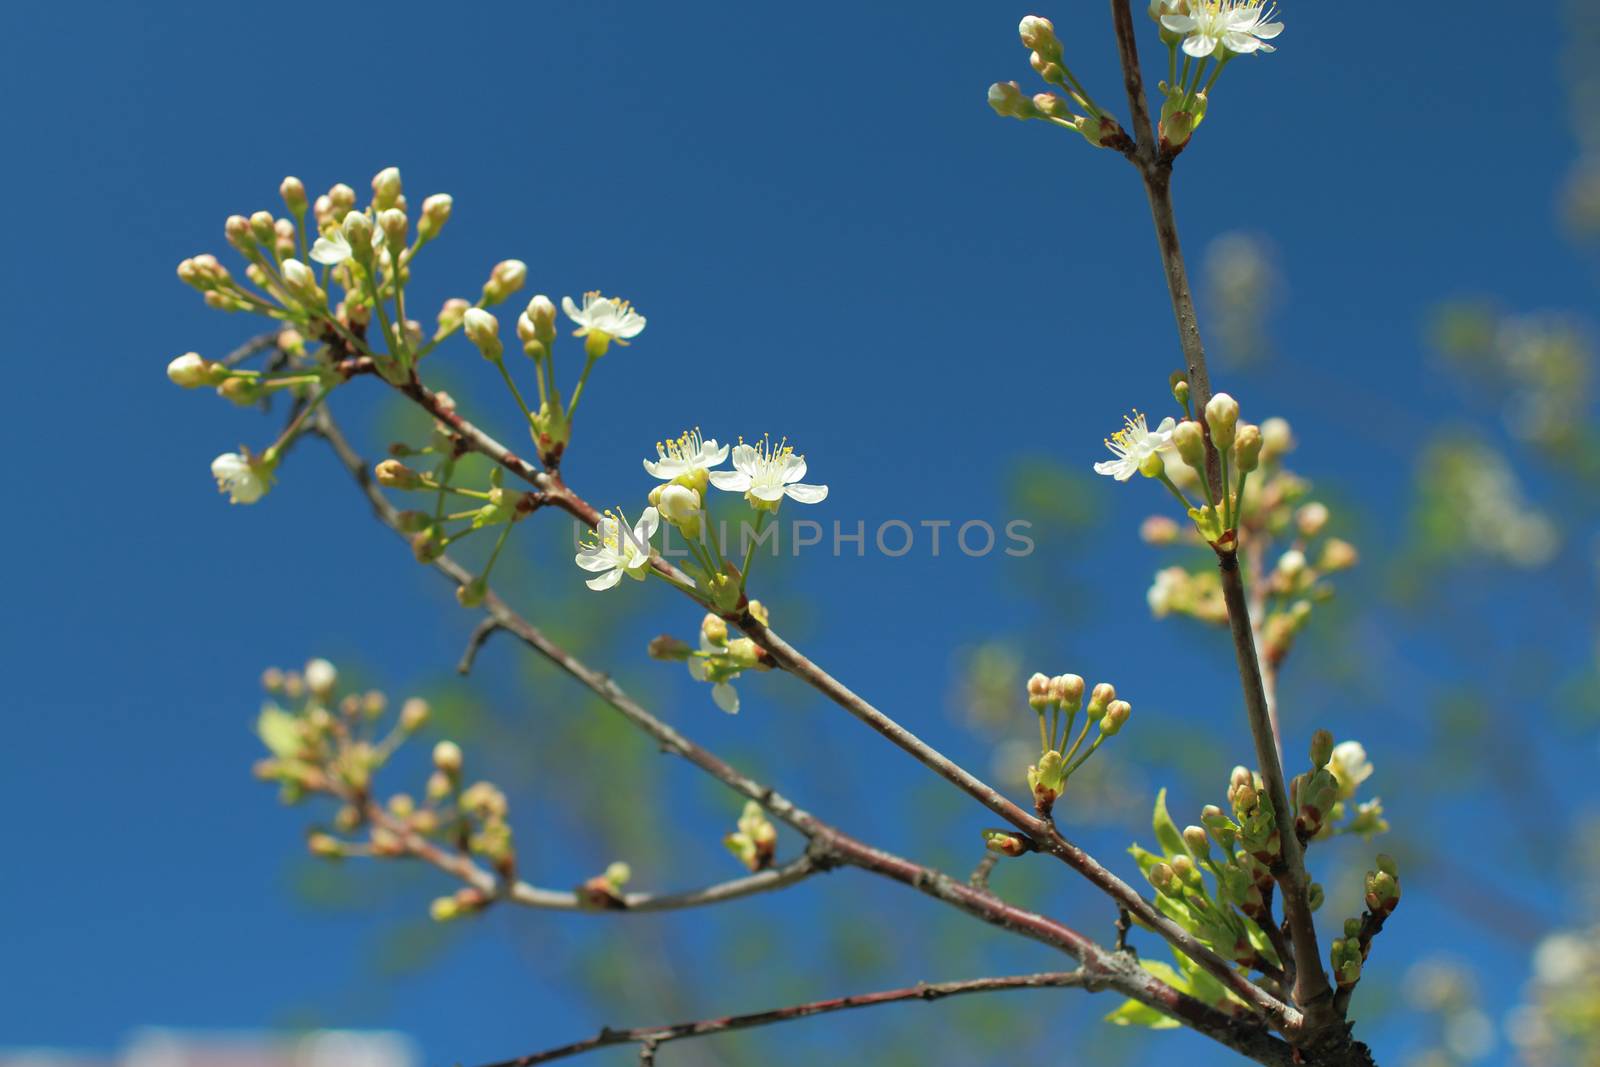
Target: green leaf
[
  {"x": 279, "y": 731},
  {"x": 1132, "y": 1013},
  {"x": 1166, "y": 830}
]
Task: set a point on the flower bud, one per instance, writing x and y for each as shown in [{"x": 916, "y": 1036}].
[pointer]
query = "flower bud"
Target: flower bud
[
  {"x": 1039, "y": 692},
  {"x": 413, "y": 714},
  {"x": 451, "y": 313},
  {"x": 1311, "y": 518},
  {"x": 1222, "y": 415},
  {"x": 483, "y": 330},
  {"x": 321, "y": 676},
  {"x": 1039, "y": 34},
  {"x": 506, "y": 278},
  {"x": 326, "y": 846},
  {"x": 1051, "y": 106},
  {"x": 299, "y": 277},
  {"x": 1292, "y": 564},
  {"x": 667, "y": 647},
  {"x": 680, "y": 506},
  {"x": 191, "y": 370},
  {"x": 1190, "y": 442},
  {"x": 392, "y": 221},
  {"x": 472, "y": 593},
  {"x": 1100, "y": 699},
  {"x": 237, "y": 231},
  {"x": 1337, "y": 555},
  {"x": 1180, "y": 388},
  {"x": 714, "y": 629},
  {"x": 392, "y": 474},
  {"x": 435, "y": 213},
  {"x": 386, "y": 188},
  {"x": 263, "y": 228},
  {"x": 1165, "y": 880},
  {"x": 293, "y": 191},
  {"x": 1005, "y": 842},
  {"x": 1277, "y": 440},
  {"x": 1008, "y": 101},
  {"x": 1321, "y": 748},
  {"x": 447, "y": 758},
  {"x": 1115, "y": 718},
  {"x": 1197, "y": 841},
  {"x": 1153, "y": 466},
  {"x": 1184, "y": 868},
  {"x": 1247, "y": 448},
  {"x": 1158, "y": 530},
  {"x": 357, "y": 229},
  {"x": 1067, "y": 691}
]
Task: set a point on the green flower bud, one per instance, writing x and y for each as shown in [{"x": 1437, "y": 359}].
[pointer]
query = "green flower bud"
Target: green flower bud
[
  {"x": 483, "y": 330},
  {"x": 1197, "y": 841},
  {"x": 1152, "y": 466},
  {"x": 447, "y": 758},
  {"x": 1190, "y": 442},
  {"x": 1180, "y": 388},
  {"x": 1039, "y": 692},
  {"x": 1005, "y": 842},
  {"x": 1039, "y": 34},
  {"x": 386, "y": 188},
  {"x": 1321, "y": 748},
  {"x": 1247, "y": 448}
]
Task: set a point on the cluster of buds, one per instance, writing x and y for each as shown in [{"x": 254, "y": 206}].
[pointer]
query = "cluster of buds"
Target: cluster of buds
[
  {"x": 1277, "y": 527},
  {"x": 322, "y": 743},
  {"x": 1056, "y": 701},
  {"x": 1322, "y": 796},
  {"x": 604, "y": 890},
  {"x": 720, "y": 659},
  {"x": 755, "y": 842},
  {"x": 433, "y": 530},
  {"x": 1348, "y": 954},
  {"x": 1229, "y": 912},
  {"x": 1046, "y": 56}
]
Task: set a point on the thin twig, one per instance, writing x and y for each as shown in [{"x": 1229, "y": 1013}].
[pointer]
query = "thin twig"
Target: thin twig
[
  {"x": 480, "y": 634},
  {"x": 655, "y": 1036}
]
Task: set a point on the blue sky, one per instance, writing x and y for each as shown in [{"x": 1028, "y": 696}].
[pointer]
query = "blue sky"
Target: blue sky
[{"x": 833, "y": 238}]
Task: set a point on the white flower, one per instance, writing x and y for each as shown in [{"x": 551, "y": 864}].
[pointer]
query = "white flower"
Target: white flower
[
  {"x": 765, "y": 474},
  {"x": 332, "y": 248},
  {"x": 321, "y": 676},
  {"x": 1168, "y": 586},
  {"x": 1350, "y": 766},
  {"x": 1133, "y": 444},
  {"x": 601, "y": 314},
  {"x": 1236, "y": 26},
  {"x": 618, "y": 550},
  {"x": 243, "y": 481},
  {"x": 688, "y": 455}
]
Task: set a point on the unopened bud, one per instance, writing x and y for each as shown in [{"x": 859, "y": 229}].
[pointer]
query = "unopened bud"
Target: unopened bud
[
  {"x": 1153, "y": 466},
  {"x": 1158, "y": 530},
  {"x": 667, "y": 647},
  {"x": 321, "y": 676},
  {"x": 1039, "y": 34},
  {"x": 237, "y": 231},
  {"x": 1008, "y": 101},
  {"x": 191, "y": 370},
  {"x": 1321, "y": 748},
  {"x": 325, "y": 845},
  {"x": 1197, "y": 841},
  {"x": 413, "y": 714},
  {"x": 394, "y": 225},
  {"x": 506, "y": 278},
  {"x": 1039, "y": 691},
  {"x": 1222, "y": 415},
  {"x": 392, "y": 474},
  {"x": 1337, "y": 555},
  {"x": 1165, "y": 880},
  {"x": 1005, "y": 842},
  {"x": 472, "y": 593},
  {"x": 262, "y": 227},
  {"x": 447, "y": 758},
  {"x": 1067, "y": 690},
  {"x": 386, "y": 188},
  {"x": 1247, "y": 448},
  {"x": 714, "y": 629},
  {"x": 1051, "y": 105},
  {"x": 357, "y": 229},
  {"x": 1190, "y": 442},
  {"x": 483, "y": 330},
  {"x": 1180, "y": 388},
  {"x": 1277, "y": 440},
  {"x": 435, "y": 213},
  {"x": 293, "y": 191},
  {"x": 1311, "y": 518},
  {"x": 1115, "y": 718}
]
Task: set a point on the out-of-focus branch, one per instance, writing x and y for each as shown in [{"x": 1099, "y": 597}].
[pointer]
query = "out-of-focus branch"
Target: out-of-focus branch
[{"x": 652, "y": 1036}]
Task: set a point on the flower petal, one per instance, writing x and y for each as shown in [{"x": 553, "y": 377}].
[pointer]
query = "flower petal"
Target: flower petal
[
  {"x": 731, "y": 481},
  {"x": 726, "y": 697},
  {"x": 595, "y": 559},
  {"x": 807, "y": 494},
  {"x": 794, "y": 468},
  {"x": 605, "y": 581}
]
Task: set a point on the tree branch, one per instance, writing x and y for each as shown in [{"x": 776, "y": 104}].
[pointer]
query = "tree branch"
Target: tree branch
[
  {"x": 1118, "y": 971},
  {"x": 1312, "y": 991},
  {"x": 653, "y": 1036}
]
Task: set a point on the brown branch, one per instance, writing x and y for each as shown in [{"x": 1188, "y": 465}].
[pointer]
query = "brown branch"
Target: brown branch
[
  {"x": 480, "y": 634},
  {"x": 1117, "y": 971},
  {"x": 653, "y": 1036},
  {"x": 1312, "y": 993}
]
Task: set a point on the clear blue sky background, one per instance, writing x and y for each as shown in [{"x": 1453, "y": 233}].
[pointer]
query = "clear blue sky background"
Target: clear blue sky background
[{"x": 833, "y": 239}]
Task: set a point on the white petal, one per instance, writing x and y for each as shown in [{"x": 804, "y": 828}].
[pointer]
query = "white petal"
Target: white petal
[
  {"x": 767, "y": 491},
  {"x": 1178, "y": 23},
  {"x": 794, "y": 468},
  {"x": 711, "y": 455},
  {"x": 665, "y": 469},
  {"x": 595, "y": 559},
  {"x": 807, "y": 494},
  {"x": 646, "y": 528},
  {"x": 330, "y": 251},
  {"x": 697, "y": 668},
  {"x": 731, "y": 481},
  {"x": 572, "y": 310},
  {"x": 605, "y": 581},
  {"x": 1268, "y": 30},
  {"x": 726, "y": 696},
  {"x": 1241, "y": 43},
  {"x": 744, "y": 459},
  {"x": 1199, "y": 45}
]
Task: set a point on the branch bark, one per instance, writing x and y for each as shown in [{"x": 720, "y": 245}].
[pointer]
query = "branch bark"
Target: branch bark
[
  {"x": 652, "y": 1036},
  {"x": 1312, "y": 993}
]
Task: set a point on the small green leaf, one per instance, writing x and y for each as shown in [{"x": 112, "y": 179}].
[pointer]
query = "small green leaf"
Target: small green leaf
[
  {"x": 1166, "y": 830},
  {"x": 279, "y": 731},
  {"x": 1132, "y": 1013}
]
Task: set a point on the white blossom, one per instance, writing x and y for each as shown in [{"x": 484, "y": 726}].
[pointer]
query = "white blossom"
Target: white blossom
[
  {"x": 618, "y": 550},
  {"x": 1133, "y": 444},
  {"x": 243, "y": 481},
  {"x": 688, "y": 454},
  {"x": 331, "y": 248},
  {"x": 601, "y": 314},
  {"x": 766, "y": 473},
  {"x": 1237, "y": 27},
  {"x": 1349, "y": 764}
]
